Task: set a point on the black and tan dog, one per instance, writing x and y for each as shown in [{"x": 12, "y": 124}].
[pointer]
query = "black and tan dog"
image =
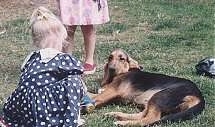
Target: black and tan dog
[{"x": 162, "y": 97}]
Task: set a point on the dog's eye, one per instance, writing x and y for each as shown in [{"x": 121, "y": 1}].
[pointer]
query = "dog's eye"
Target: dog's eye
[{"x": 110, "y": 58}]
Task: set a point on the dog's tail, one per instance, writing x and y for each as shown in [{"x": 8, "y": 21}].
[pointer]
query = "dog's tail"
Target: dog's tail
[{"x": 183, "y": 115}]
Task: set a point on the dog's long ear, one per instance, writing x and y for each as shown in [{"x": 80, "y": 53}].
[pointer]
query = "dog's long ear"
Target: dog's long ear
[
  {"x": 133, "y": 64},
  {"x": 105, "y": 76}
]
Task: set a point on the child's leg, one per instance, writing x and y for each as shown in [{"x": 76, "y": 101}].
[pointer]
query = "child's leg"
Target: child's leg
[
  {"x": 87, "y": 104},
  {"x": 68, "y": 47},
  {"x": 89, "y": 34}
]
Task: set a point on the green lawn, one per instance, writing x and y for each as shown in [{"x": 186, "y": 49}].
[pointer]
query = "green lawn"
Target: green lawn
[{"x": 165, "y": 36}]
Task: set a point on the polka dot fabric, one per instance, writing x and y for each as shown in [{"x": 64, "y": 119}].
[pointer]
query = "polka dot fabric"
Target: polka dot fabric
[{"x": 48, "y": 94}]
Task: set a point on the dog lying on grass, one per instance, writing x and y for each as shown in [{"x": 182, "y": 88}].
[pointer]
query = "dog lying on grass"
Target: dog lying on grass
[{"x": 163, "y": 98}]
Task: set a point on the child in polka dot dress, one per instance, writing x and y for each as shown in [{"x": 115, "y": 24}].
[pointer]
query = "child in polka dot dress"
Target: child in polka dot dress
[{"x": 50, "y": 88}]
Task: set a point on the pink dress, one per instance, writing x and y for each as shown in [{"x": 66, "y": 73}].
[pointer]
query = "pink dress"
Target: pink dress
[{"x": 84, "y": 12}]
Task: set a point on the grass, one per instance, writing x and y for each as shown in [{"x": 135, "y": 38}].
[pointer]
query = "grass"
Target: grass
[{"x": 165, "y": 36}]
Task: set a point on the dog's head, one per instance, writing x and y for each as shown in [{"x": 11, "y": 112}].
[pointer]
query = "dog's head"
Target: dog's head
[{"x": 119, "y": 62}]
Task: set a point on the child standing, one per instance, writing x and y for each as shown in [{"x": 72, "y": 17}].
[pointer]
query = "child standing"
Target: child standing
[
  {"x": 50, "y": 89},
  {"x": 86, "y": 14}
]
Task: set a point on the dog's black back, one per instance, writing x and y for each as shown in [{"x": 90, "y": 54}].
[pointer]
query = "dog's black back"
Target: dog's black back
[{"x": 142, "y": 80}]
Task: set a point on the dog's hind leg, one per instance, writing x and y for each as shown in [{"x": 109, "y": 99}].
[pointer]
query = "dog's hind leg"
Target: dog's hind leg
[
  {"x": 125, "y": 116},
  {"x": 188, "y": 102},
  {"x": 153, "y": 114}
]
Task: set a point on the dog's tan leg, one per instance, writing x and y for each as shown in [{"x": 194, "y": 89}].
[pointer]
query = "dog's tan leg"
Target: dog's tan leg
[
  {"x": 107, "y": 95},
  {"x": 189, "y": 101},
  {"x": 125, "y": 116},
  {"x": 152, "y": 116},
  {"x": 91, "y": 95}
]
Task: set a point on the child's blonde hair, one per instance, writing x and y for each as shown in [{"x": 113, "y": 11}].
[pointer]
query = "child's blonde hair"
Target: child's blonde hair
[{"x": 46, "y": 29}]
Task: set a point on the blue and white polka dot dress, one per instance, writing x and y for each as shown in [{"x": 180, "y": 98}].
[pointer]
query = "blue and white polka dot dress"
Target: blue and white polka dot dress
[{"x": 48, "y": 94}]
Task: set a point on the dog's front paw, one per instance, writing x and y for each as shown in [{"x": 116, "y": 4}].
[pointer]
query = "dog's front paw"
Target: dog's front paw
[
  {"x": 100, "y": 90},
  {"x": 121, "y": 123},
  {"x": 112, "y": 114},
  {"x": 117, "y": 115}
]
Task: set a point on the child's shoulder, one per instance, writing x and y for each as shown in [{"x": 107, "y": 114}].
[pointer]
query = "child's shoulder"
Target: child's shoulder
[{"x": 27, "y": 58}]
